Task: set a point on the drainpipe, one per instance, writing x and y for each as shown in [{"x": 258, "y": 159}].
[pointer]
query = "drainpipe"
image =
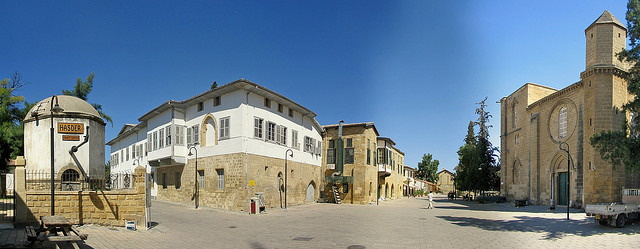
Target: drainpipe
[{"x": 339, "y": 151}]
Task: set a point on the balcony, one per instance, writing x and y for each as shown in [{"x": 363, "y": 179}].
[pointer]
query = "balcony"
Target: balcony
[{"x": 384, "y": 170}]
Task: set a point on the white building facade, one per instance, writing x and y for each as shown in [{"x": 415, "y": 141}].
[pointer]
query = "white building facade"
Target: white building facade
[{"x": 240, "y": 133}]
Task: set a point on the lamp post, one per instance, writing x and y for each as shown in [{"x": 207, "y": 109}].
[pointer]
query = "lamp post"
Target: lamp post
[
  {"x": 54, "y": 109},
  {"x": 286, "y": 153},
  {"x": 196, "y": 171},
  {"x": 568, "y": 174}
]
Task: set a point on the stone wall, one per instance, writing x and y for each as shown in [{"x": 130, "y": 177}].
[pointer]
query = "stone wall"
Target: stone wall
[
  {"x": 82, "y": 207},
  {"x": 244, "y": 176}
]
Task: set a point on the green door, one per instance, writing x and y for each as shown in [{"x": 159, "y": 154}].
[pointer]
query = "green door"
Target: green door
[{"x": 562, "y": 188}]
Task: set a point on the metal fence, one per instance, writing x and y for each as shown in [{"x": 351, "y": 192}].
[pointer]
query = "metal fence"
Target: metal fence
[{"x": 70, "y": 180}]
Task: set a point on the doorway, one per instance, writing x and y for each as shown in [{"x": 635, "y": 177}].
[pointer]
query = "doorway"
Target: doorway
[
  {"x": 311, "y": 192},
  {"x": 563, "y": 177}
]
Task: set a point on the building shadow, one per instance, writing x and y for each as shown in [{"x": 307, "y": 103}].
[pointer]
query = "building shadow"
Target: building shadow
[{"x": 551, "y": 228}]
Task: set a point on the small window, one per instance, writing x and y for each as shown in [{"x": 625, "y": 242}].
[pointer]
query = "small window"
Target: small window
[
  {"x": 280, "y": 108},
  {"x": 267, "y": 102},
  {"x": 348, "y": 155},
  {"x": 164, "y": 180},
  {"x": 180, "y": 134},
  {"x": 257, "y": 127},
  {"x": 178, "y": 180},
  {"x": 224, "y": 128},
  {"x": 345, "y": 188},
  {"x": 155, "y": 140},
  {"x": 127, "y": 153},
  {"x": 271, "y": 131},
  {"x": 201, "y": 179},
  {"x": 200, "y": 106},
  {"x": 294, "y": 139},
  {"x": 332, "y": 144},
  {"x": 290, "y": 112},
  {"x": 220, "y": 173},
  {"x": 168, "y": 135},
  {"x": 349, "y": 142},
  {"x": 161, "y": 137},
  {"x": 283, "y": 135},
  {"x": 216, "y": 101},
  {"x": 331, "y": 156}
]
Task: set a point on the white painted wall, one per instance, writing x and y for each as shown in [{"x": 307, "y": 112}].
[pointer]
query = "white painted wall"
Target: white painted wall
[
  {"x": 37, "y": 146},
  {"x": 241, "y": 108}
]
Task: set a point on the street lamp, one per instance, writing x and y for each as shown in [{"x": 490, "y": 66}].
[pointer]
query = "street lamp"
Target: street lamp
[
  {"x": 54, "y": 109},
  {"x": 196, "y": 171},
  {"x": 568, "y": 174},
  {"x": 285, "y": 175}
]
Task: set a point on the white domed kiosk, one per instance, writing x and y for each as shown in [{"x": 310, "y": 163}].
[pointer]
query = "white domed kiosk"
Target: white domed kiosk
[{"x": 78, "y": 138}]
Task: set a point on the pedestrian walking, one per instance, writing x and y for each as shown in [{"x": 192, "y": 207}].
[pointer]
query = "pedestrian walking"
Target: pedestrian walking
[{"x": 430, "y": 197}]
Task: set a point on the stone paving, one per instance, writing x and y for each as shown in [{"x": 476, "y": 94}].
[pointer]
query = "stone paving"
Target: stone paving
[{"x": 402, "y": 223}]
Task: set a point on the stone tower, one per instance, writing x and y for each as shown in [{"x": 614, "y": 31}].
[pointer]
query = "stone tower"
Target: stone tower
[{"x": 605, "y": 91}]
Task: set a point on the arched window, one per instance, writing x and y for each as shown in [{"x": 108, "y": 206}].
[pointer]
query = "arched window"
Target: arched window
[
  {"x": 211, "y": 132},
  {"x": 70, "y": 180},
  {"x": 562, "y": 123}
]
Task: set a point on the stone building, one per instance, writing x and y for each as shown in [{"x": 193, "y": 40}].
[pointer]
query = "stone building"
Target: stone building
[
  {"x": 240, "y": 134},
  {"x": 390, "y": 169},
  {"x": 446, "y": 181},
  {"x": 358, "y": 180},
  {"x": 372, "y": 167},
  {"x": 538, "y": 123},
  {"x": 409, "y": 184}
]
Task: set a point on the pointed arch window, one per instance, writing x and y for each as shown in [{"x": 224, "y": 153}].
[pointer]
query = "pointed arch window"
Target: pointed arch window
[{"x": 562, "y": 123}]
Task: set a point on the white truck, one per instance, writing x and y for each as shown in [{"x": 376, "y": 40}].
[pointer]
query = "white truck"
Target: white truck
[{"x": 617, "y": 214}]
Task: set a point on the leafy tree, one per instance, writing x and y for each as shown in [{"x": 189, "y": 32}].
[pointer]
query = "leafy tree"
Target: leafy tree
[
  {"x": 478, "y": 167},
  {"x": 11, "y": 116},
  {"x": 428, "y": 168},
  {"x": 620, "y": 147},
  {"x": 82, "y": 90}
]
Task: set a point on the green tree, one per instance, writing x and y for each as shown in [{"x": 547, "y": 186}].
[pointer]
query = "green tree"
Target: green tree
[
  {"x": 487, "y": 168},
  {"x": 428, "y": 168},
  {"x": 11, "y": 117},
  {"x": 620, "y": 147},
  {"x": 82, "y": 90},
  {"x": 478, "y": 167}
]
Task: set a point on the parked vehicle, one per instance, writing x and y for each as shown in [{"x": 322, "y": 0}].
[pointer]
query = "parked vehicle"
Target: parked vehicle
[
  {"x": 617, "y": 214},
  {"x": 490, "y": 198}
]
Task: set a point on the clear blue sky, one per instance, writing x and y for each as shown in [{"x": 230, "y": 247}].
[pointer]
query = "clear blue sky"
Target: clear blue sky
[{"x": 415, "y": 68}]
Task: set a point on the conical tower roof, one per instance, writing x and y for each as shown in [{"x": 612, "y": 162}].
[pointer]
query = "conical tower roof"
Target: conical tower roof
[{"x": 607, "y": 17}]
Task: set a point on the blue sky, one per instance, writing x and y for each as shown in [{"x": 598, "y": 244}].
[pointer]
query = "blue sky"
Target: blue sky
[{"x": 414, "y": 68}]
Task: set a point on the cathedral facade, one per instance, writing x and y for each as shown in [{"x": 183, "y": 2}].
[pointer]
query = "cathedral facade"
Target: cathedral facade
[{"x": 545, "y": 132}]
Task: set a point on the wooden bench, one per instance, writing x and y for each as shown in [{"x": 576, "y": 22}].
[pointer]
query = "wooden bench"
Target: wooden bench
[{"x": 32, "y": 234}]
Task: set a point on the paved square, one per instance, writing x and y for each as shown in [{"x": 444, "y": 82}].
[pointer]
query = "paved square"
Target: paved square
[{"x": 403, "y": 223}]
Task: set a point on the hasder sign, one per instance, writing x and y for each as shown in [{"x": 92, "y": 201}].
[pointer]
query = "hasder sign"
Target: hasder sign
[{"x": 71, "y": 128}]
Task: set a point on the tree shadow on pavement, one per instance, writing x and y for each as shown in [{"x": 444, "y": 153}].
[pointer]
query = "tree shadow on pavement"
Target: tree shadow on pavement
[{"x": 552, "y": 228}]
